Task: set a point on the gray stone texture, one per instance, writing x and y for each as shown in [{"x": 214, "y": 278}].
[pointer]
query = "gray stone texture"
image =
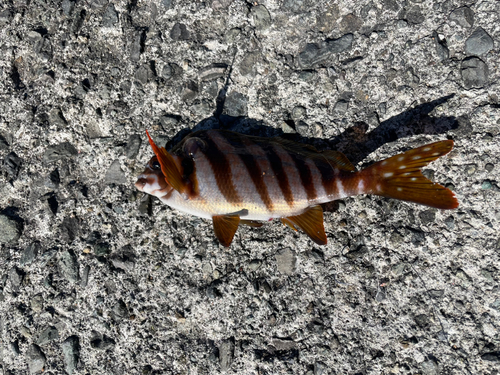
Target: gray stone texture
[{"x": 97, "y": 278}]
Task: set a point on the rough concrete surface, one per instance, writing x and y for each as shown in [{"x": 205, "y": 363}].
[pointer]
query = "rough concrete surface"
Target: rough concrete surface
[{"x": 96, "y": 278}]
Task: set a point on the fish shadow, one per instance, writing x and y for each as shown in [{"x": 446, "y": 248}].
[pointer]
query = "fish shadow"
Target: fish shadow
[{"x": 356, "y": 142}]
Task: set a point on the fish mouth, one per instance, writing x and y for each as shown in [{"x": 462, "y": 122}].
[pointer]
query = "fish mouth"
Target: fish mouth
[{"x": 140, "y": 183}]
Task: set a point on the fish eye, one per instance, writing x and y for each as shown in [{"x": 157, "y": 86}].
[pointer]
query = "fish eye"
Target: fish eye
[{"x": 156, "y": 165}]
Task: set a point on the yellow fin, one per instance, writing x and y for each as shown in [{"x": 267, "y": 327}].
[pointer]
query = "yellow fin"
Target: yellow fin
[
  {"x": 311, "y": 222},
  {"x": 225, "y": 227},
  {"x": 168, "y": 166},
  {"x": 338, "y": 159}
]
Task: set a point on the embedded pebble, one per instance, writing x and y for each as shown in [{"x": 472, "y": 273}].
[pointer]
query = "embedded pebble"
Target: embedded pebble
[
  {"x": 70, "y": 227},
  {"x": 189, "y": 90},
  {"x": 429, "y": 367},
  {"x": 441, "y": 47},
  {"x": 120, "y": 310},
  {"x": 60, "y": 151},
  {"x": 16, "y": 277},
  {"x": 414, "y": 15},
  {"x": 316, "y": 54},
  {"x": 71, "y": 352},
  {"x": 226, "y": 354},
  {"x": 36, "y": 359},
  {"x": 427, "y": 216},
  {"x": 11, "y": 229},
  {"x": 479, "y": 43},
  {"x": 12, "y": 165},
  {"x": 248, "y": 64},
  {"x": 261, "y": 17},
  {"x": 474, "y": 72},
  {"x": 180, "y": 32},
  {"x": 350, "y": 23},
  {"x": 235, "y": 104},
  {"x": 464, "y": 16},
  {"x": 137, "y": 45},
  {"x": 341, "y": 106},
  {"x": 298, "y": 112},
  {"x": 5, "y": 17},
  {"x": 48, "y": 335},
  {"x": 110, "y": 16},
  {"x": 124, "y": 259},
  {"x": 29, "y": 254},
  {"x": 286, "y": 261},
  {"x": 133, "y": 145},
  {"x": 114, "y": 174},
  {"x": 37, "y": 303},
  {"x": 68, "y": 266}
]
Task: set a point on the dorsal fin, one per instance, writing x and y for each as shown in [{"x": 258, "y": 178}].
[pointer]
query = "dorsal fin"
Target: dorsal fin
[
  {"x": 311, "y": 222},
  {"x": 168, "y": 166},
  {"x": 335, "y": 158},
  {"x": 297, "y": 147},
  {"x": 225, "y": 227},
  {"x": 339, "y": 160}
]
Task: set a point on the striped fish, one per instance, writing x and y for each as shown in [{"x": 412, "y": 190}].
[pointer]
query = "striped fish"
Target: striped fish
[{"x": 236, "y": 179}]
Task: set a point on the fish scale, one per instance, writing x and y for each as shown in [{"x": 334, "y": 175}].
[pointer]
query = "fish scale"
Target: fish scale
[{"x": 236, "y": 179}]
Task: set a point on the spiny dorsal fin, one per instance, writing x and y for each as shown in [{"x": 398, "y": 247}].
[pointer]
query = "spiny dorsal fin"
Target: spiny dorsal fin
[
  {"x": 311, "y": 222},
  {"x": 297, "y": 147},
  {"x": 225, "y": 227},
  {"x": 168, "y": 166},
  {"x": 335, "y": 158},
  {"x": 339, "y": 160}
]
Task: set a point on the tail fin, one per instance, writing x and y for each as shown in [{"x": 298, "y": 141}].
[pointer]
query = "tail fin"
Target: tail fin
[{"x": 400, "y": 177}]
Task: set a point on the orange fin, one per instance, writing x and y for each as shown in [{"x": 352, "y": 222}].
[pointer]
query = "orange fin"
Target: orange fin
[
  {"x": 168, "y": 166},
  {"x": 400, "y": 177},
  {"x": 225, "y": 227},
  {"x": 251, "y": 223},
  {"x": 311, "y": 222},
  {"x": 338, "y": 159}
]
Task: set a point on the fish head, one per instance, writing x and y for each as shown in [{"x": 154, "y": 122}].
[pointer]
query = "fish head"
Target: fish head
[{"x": 152, "y": 180}]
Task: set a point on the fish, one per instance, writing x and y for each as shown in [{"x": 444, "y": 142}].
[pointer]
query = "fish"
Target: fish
[{"x": 235, "y": 179}]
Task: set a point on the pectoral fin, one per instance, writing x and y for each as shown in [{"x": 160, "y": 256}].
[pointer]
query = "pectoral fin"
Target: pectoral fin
[
  {"x": 311, "y": 222},
  {"x": 225, "y": 227},
  {"x": 168, "y": 167}
]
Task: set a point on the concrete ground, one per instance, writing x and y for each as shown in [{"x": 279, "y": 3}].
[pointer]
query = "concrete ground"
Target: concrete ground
[{"x": 96, "y": 278}]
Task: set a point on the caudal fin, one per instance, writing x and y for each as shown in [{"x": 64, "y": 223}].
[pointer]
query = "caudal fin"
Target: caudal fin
[{"x": 400, "y": 177}]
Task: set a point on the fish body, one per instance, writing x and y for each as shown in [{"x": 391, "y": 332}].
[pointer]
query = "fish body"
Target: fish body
[{"x": 237, "y": 179}]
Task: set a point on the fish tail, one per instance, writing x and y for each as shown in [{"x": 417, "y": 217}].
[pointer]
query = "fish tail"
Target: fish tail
[{"x": 400, "y": 177}]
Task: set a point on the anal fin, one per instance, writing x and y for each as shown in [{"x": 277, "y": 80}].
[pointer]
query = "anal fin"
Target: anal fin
[
  {"x": 311, "y": 222},
  {"x": 225, "y": 227}
]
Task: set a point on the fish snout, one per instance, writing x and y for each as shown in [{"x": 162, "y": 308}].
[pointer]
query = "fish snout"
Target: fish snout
[{"x": 140, "y": 183}]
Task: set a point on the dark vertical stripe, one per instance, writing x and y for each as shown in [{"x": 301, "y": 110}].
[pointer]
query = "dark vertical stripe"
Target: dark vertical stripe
[
  {"x": 327, "y": 175},
  {"x": 305, "y": 175},
  {"x": 279, "y": 172},
  {"x": 252, "y": 166},
  {"x": 222, "y": 171},
  {"x": 189, "y": 176}
]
